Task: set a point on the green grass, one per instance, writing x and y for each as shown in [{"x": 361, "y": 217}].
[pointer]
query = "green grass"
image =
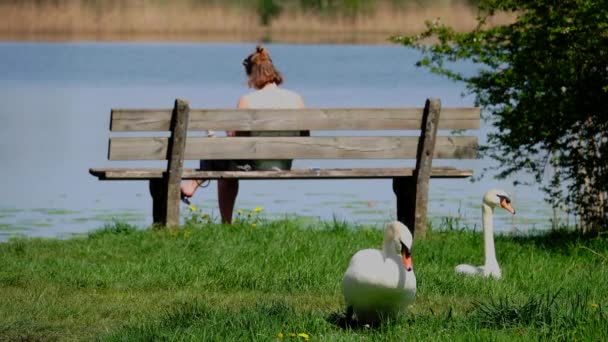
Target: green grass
[{"x": 238, "y": 283}]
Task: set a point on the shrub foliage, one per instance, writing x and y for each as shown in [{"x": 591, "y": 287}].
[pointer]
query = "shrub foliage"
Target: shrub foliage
[{"x": 543, "y": 85}]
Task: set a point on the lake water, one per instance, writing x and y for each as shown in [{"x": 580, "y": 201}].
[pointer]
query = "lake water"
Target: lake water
[{"x": 55, "y": 101}]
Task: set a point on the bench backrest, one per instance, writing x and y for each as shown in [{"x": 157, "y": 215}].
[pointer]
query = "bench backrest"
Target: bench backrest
[
  {"x": 377, "y": 146},
  {"x": 171, "y": 142}
]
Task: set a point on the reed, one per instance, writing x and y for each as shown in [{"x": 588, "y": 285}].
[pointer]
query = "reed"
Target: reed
[{"x": 217, "y": 21}]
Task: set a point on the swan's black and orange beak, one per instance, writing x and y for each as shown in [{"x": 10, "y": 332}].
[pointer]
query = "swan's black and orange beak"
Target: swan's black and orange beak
[
  {"x": 506, "y": 204},
  {"x": 406, "y": 256}
]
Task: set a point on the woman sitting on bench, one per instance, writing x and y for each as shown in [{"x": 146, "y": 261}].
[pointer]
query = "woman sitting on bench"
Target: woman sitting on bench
[{"x": 265, "y": 79}]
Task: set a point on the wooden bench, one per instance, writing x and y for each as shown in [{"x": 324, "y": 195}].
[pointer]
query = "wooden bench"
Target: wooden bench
[{"x": 410, "y": 185}]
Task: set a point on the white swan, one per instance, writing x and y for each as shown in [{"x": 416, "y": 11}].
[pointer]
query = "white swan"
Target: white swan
[
  {"x": 381, "y": 283},
  {"x": 491, "y": 199}
]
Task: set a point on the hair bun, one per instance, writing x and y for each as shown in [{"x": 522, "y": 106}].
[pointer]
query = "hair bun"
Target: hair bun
[{"x": 262, "y": 53}]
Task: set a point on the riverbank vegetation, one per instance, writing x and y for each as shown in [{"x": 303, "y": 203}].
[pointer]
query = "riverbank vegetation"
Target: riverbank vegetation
[
  {"x": 541, "y": 83},
  {"x": 279, "y": 280},
  {"x": 368, "y": 21}
]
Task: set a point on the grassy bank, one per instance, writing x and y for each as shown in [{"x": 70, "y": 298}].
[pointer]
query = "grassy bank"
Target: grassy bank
[
  {"x": 228, "y": 283},
  {"x": 222, "y": 21}
]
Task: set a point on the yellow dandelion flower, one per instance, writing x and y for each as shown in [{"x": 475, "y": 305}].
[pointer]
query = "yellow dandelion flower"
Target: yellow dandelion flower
[
  {"x": 594, "y": 305},
  {"x": 254, "y": 225},
  {"x": 304, "y": 336},
  {"x": 292, "y": 334},
  {"x": 239, "y": 212},
  {"x": 258, "y": 209},
  {"x": 205, "y": 216},
  {"x": 192, "y": 207},
  {"x": 280, "y": 335},
  {"x": 250, "y": 214}
]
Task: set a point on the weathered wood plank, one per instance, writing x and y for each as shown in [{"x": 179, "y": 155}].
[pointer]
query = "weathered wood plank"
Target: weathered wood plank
[
  {"x": 424, "y": 160},
  {"x": 364, "y": 173},
  {"x": 460, "y": 147},
  {"x": 293, "y": 119},
  {"x": 176, "y": 147}
]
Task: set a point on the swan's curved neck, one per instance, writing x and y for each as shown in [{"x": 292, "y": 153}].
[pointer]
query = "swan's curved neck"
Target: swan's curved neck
[
  {"x": 388, "y": 249},
  {"x": 488, "y": 235}
]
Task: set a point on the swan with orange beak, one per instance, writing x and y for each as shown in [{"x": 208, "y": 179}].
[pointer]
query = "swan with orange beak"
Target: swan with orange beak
[
  {"x": 491, "y": 199},
  {"x": 380, "y": 284}
]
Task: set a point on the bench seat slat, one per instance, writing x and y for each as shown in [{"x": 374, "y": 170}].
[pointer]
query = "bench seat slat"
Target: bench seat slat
[
  {"x": 458, "y": 147},
  {"x": 369, "y": 173},
  {"x": 125, "y": 120}
]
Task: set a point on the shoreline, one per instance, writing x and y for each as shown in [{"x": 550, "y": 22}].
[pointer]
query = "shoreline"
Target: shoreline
[{"x": 303, "y": 38}]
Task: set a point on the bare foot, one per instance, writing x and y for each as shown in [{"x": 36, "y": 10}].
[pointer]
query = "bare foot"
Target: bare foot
[{"x": 190, "y": 186}]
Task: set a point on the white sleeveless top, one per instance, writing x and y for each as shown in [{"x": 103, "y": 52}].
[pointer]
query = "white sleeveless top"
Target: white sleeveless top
[{"x": 273, "y": 97}]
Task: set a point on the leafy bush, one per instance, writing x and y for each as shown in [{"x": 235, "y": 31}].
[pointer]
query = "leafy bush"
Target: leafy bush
[{"x": 543, "y": 81}]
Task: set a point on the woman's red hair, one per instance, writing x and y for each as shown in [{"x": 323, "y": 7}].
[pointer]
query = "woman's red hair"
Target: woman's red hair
[{"x": 260, "y": 69}]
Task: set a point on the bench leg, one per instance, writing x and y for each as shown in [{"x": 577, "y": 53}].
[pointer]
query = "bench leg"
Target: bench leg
[
  {"x": 405, "y": 191},
  {"x": 158, "y": 191}
]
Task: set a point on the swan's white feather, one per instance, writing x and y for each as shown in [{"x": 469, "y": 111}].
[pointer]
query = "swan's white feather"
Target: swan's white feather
[
  {"x": 377, "y": 286},
  {"x": 479, "y": 270},
  {"x": 491, "y": 200}
]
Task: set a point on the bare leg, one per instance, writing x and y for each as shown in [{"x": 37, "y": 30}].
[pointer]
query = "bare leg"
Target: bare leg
[{"x": 227, "y": 189}]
